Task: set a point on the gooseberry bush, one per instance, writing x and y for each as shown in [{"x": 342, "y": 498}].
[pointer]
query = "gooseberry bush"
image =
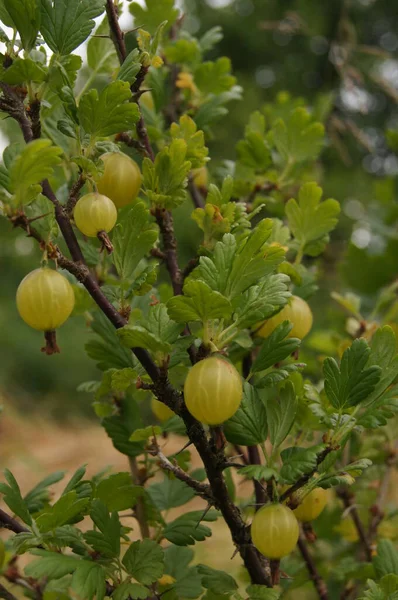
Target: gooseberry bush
[{"x": 106, "y": 155}]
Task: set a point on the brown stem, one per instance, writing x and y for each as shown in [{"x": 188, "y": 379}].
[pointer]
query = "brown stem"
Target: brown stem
[
  {"x": 8, "y": 522},
  {"x": 51, "y": 346},
  {"x": 254, "y": 459},
  {"x": 348, "y": 500},
  {"x": 319, "y": 583},
  {"x": 144, "y": 138},
  {"x": 164, "y": 219},
  {"x": 75, "y": 193},
  {"x": 305, "y": 478},
  {"x": 140, "y": 506},
  {"x": 275, "y": 571},
  {"x": 131, "y": 142},
  {"x": 117, "y": 34},
  {"x": 196, "y": 196},
  {"x": 4, "y": 593},
  {"x": 201, "y": 489}
]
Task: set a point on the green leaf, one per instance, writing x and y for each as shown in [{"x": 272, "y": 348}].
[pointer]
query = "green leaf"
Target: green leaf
[
  {"x": 258, "y": 472},
  {"x": 107, "y": 350},
  {"x": 65, "y": 24},
  {"x": 234, "y": 267},
  {"x": 24, "y": 70},
  {"x": 106, "y": 541},
  {"x": 170, "y": 493},
  {"x": 353, "y": 382},
  {"x": 35, "y": 163},
  {"x": 119, "y": 427},
  {"x": 260, "y": 592},
  {"x": 389, "y": 585},
  {"x": 309, "y": 218},
  {"x": 144, "y": 561},
  {"x": 52, "y": 565},
  {"x": 132, "y": 240},
  {"x": 187, "y": 529},
  {"x": 130, "y": 67},
  {"x": 214, "y": 77},
  {"x": 346, "y": 476},
  {"x": 128, "y": 590},
  {"x": 260, "y": 302},
  {"x": 254, "y": 151},
  {"x": 165, "y": 179},
  {"x": 142, "y": 435},
  {"x": 117, "y": 492},
  {"x": 89, "y": 581},
  {"x": 383, "y": 354},
  {"x": 154, "y": 13},
  {"x": 183, "y": 51},
  {"x": 13, "y": 498},
  {"x": 386, "y": 559},
  {"x": 42, "y": 210},
  {"x": 217, "y": 581},
  {"x": 157, "y": 332},
  {"x": 211, "y": 38},
  {"x": 298, "y": 138},
  {"x": 25, "y": 15},
  {"x": 188, "y": 581},
  {"x": 248, "y": 426},
  {"x": 281, "y": 414},
  {"x": 299, "y": 461},
  {"x": 199, "y": 303},
  {"x": 108, "y": 112},
  {"x": 276, "y": 347},
  {"x": 40, "y": 495},
  {"x": 66, "y": 509},
  {"x": 101, "y": 53},
  {"x": 195, "y": 140}
]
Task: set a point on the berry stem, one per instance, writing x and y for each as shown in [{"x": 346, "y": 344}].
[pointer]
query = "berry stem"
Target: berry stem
[{"x": 51, "y": 346}]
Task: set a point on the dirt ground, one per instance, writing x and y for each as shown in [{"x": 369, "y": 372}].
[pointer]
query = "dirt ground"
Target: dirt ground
[{"x": 32, "y": 448}]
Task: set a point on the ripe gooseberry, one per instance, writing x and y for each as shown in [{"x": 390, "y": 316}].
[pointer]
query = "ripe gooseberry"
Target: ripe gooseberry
[
  {"x": 213, "y": 390},
  {"x": 94, "y": 213},
  {"x": 160, "y": 410},
  {"x": 200, "y": 177},
  {"x": 121, "y": 180},
  {"x": 274, "y": 531},
  {"x": 45, "y": 299},
  {"x": 297, "y": 311},
  {"x": 312, "y": 505}
]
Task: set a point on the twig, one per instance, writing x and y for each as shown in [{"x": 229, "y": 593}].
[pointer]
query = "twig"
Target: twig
[
  {"x": 164, "y": 219},
  {"x": 8, "y": 522},
  {"x": 140, "y": 506},
  {"x": 4, "y": 593},
  {"x": 254, "y": 459},
  {"x": 377, "y": 510},
  {"x": 348, "y": 500},
  {"x": 196, "y": 196},
  {"x": 319, "y": 583},
  {"x": 117, "y": 34},
  {"x": 202, "y": 489},
  {"x": 131, "y": 142},
  {"x": 75, "y": 193},
  {"x": 305, "y": 478}
]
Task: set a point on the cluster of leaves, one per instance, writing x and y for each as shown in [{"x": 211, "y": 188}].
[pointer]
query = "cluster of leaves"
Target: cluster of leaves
[{"x": 246, "y": 269}]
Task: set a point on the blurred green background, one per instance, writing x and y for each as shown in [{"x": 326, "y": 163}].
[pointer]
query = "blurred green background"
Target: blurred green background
[{"x": 342, "y": 57}]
